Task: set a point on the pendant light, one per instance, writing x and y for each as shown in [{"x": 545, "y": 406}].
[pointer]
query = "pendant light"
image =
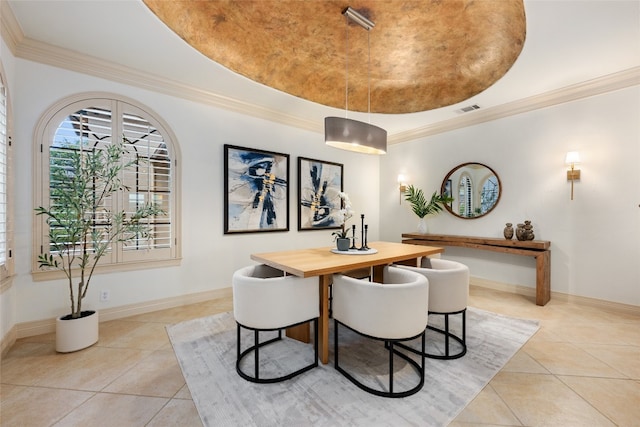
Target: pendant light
[{"x": 354, "y": 135}]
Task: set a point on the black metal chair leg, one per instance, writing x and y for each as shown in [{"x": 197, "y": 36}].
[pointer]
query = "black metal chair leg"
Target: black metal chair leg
[
  {"x": 446, "y": 335},
  {"x": 390, "y": 367},
  {"x": 335, "y": 344},
  {"x": 256, "y": 357},
  {"x": 464, "y": 328},
  {"x": 238, "y": 346}
]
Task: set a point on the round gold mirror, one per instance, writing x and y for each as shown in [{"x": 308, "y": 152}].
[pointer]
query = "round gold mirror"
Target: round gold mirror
[{"x": 475, "y": 189}]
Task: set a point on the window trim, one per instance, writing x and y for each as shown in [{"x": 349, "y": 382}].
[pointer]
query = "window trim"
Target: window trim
[{"x": 42, "y": 138}]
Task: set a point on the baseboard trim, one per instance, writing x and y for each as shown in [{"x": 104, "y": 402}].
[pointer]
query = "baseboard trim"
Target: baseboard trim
[
  {"x": 47, "y": 326},
  {"x": 557, "y": 296},
  {"x": 38, "y": 327},
  {"x": 7, "y": 341}
]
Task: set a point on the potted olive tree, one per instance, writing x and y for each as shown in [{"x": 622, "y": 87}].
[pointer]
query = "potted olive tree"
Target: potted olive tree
[
  {"x": 82, "y": 229},
  {"x": 422, "y": 207}
]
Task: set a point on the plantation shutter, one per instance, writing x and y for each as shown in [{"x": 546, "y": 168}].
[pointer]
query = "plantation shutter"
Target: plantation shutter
[
  {"x": 84, "y": 129},
  {"x": 149, "y": 182},
  {"x": 465, "y": 197},
  {"x": 4, "y": 172}
]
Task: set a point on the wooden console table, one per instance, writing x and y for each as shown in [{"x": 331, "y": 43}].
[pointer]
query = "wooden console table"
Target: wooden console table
[{"x": 539, "y": 249}]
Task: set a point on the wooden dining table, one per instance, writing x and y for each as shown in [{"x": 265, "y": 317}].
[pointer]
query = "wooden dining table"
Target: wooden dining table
[{"x": 323, "y": 263}]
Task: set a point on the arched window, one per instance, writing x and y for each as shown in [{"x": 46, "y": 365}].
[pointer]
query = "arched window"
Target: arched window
[
  {"x": 489, "y": 194},
  {"x": 465, "y": 193},
  {"x": 87, "y": 122}
]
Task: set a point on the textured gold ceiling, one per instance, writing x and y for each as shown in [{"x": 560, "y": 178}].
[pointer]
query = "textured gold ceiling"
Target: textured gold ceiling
[{"x": 424, "y": 54}]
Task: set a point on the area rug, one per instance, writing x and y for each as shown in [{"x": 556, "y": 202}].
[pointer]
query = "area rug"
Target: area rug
[{"x": 206, "y": 351}]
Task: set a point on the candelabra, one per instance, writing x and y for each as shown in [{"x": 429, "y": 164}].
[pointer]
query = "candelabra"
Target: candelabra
[
  {"x": 353, "y": 237},
  {"x": 363, "y": 232},
  {"x": 364, "y": 244}
]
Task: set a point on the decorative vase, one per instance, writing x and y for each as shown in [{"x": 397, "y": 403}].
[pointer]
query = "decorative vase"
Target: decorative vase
[
  {"x": 520, "y": 232},
  {"x": 528, "y": 233},
  {"x": 76, "y": 334},
  {"x": 422, "y": 226},
  {"x": 343, "y": 244},
  {"x": 508, "y": 231}
]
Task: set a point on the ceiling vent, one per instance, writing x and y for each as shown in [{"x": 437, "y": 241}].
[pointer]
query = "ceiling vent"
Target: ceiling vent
[{"x": 469, "y": 108}]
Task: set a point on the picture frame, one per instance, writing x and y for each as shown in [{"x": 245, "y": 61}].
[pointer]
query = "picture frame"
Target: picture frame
[
  {"x": 256, "y": 190},
  {"x": 319, "y": 185}
]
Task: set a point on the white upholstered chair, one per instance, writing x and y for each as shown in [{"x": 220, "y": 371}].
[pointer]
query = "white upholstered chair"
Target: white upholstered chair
[
  {"x": 265, "y": 299},
  {"x": 390, "y": 312},
  {"x": 448, "y": 295}
]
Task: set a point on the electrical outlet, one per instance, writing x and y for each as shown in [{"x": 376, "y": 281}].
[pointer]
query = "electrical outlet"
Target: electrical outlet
[{"x": 104, "y": 295}]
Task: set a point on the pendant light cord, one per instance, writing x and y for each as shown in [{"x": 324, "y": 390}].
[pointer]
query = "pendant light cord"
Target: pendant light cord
[
  {"x": 369, "y": 77},
  {"x": 346, "y": 68}
]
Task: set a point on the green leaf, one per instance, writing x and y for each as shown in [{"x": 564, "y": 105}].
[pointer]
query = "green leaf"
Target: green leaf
[{"x": 419, "y": 204}]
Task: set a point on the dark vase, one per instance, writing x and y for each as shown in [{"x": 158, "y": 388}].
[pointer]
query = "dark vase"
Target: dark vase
[
  {"x": 508, "y": 231},
  {"x": 528, "y": 234},
  {"x": 343, "y": 244}
]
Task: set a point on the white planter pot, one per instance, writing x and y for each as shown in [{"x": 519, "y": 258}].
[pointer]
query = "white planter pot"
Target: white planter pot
[
  {"x": 76, "y": 334},
  {"x": 422, "y": 226}
]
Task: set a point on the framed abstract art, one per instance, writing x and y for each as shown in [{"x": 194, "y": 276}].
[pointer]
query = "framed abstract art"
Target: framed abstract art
[
  {"x": 256, "y": 190},
  {"x": 319, "y": 185}
]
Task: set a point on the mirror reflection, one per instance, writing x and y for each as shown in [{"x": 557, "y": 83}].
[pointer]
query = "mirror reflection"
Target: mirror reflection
[{"x": 475, "y": 188}]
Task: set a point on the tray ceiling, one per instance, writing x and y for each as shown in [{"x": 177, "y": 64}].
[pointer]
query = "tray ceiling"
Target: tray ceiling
[{"x": 424, "y": 55}]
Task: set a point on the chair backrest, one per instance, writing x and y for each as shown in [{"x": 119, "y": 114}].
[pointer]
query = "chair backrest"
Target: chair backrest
[
  {"x": 264, "y": 298},
  {"x": 448, "y": 284},
  {"x": 394, "y": 309}
]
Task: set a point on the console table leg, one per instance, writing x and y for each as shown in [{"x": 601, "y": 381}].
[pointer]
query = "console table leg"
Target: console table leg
[{"x": 543, "y": 277}]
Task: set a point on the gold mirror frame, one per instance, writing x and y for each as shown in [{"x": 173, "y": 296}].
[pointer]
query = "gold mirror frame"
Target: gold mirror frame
[{"x": 476, "y": 190}]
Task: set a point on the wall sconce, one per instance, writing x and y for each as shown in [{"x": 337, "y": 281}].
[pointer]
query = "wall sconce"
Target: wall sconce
[
  {"x": 402, "y": 184},
  {"x": 572, "y": 159}
]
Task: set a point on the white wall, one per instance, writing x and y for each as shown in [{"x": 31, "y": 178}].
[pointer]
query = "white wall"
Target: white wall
[
  {"x": 595, "y": 239},
  {"x": 209, "y": 256}
]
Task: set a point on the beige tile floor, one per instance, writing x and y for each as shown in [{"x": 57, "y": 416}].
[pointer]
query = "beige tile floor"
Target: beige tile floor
[{"x": 582, "y": 368}]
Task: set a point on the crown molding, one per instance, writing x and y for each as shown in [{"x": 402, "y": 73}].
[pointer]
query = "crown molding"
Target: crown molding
[
  {"x": 9, "y": 28},
  {"x": 44, "y": 53},
  {"x": 608, "y": 83}
]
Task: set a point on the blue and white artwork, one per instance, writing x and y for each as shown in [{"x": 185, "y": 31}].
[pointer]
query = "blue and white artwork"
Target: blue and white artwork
[
  {"x": 319, "y": 186},
  {"x": 256, "y": 189}
]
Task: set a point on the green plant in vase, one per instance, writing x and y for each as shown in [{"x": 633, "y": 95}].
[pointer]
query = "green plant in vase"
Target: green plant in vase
[{"x": 423, "y": 207}]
